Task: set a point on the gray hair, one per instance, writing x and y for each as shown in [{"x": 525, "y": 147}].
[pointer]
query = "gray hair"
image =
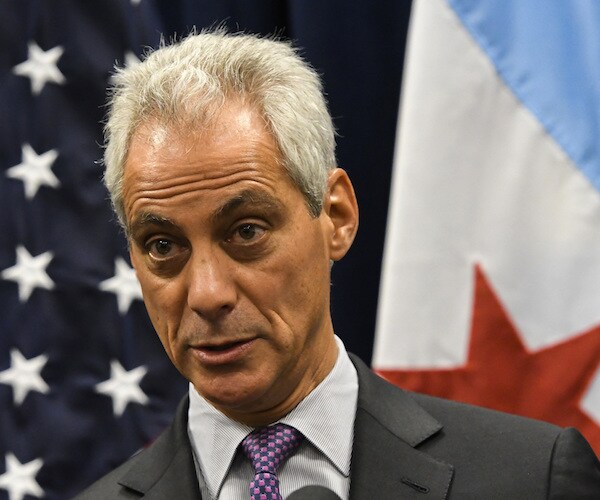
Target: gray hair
[{"x": 189, "y": 81}]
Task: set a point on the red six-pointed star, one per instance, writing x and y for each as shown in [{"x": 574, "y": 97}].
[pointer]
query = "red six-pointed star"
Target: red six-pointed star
[{"x": 501, "y": 372}]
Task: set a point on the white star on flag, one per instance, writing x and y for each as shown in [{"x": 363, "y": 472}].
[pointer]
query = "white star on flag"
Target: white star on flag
[
  {"x": 19, "y": 479},
  {"x": 29, "y": 272},
  {"x": 124, "y": 284},
  {"x": 40, "y": 66},
  {"x": 34, "y": 170},
  {"x": 123, "y": 386},
  {"x": 24, "y": 375}
]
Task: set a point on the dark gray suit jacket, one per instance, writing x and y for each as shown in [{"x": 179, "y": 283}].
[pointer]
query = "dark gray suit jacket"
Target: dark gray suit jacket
[{"x": 406, "y": 446}]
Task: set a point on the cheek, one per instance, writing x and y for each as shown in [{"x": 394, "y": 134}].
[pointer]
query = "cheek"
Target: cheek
[
  {"x": 163, "y": 303},
  {"x": 293, "y": 290}
]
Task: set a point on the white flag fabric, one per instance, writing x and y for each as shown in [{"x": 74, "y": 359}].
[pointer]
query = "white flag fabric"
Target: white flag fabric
[{"x": 490, "y": 289}]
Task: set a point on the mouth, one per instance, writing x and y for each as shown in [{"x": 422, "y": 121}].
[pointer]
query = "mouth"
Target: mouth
[
  {"x": 223, "y": 347},
  {"x": 222, "y": 353}
]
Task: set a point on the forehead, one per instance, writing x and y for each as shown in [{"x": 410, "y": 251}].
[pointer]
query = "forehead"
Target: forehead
[
  {"x": 171, "y": 166},
  {"x": 237, "y": 130}
]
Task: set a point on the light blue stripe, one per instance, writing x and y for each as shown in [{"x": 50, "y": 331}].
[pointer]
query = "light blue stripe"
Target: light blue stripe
[{"x": 548, "y": 53}]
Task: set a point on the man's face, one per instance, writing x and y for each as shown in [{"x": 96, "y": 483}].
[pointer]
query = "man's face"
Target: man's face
[{"x": 233, "y": 268}]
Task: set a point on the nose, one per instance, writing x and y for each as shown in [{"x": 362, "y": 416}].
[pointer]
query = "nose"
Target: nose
[{"x": 211, "y": 288}]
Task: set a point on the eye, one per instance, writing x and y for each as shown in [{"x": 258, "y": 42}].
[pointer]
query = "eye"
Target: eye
[
  {"x": 246, "y": 233},
  {"x": 162, "y": 248}
]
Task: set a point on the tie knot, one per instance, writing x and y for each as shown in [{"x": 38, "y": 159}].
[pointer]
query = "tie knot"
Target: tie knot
[{"x": 267, "y": 447}]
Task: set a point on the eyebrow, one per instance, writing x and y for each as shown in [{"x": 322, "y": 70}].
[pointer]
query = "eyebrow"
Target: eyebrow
[
  {"x": 246, "y": 197},
  {"x": 149, "y": 219}
]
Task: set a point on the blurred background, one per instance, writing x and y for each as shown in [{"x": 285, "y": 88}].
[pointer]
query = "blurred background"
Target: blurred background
[{"x": 490, "y": 291}]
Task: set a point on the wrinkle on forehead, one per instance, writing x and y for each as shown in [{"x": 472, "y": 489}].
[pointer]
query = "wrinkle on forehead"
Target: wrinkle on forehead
[
  {"x": 166, "y": 161},
  {"x": 191, "y": 187}
]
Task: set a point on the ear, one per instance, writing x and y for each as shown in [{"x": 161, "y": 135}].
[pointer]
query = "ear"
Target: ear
[{"x": 341, "y": 210}]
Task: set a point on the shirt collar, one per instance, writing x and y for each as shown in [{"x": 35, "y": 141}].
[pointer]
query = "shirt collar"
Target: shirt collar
[
  {"x": 325, "y": 417},
  {"x": 214, "y": 438}
]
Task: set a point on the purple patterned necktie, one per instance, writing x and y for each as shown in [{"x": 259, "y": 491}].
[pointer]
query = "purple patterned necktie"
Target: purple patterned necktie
[{"x": 267, "y": 448}]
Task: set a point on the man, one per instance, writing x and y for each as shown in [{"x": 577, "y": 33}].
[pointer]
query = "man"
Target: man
[{"x": 221, "y": 167}]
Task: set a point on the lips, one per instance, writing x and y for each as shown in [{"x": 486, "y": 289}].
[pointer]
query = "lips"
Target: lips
[{"x": 222, "y": 353}]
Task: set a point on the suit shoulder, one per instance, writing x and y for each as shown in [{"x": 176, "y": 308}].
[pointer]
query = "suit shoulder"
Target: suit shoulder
[
  {"x": 108, "y": 486},
  {"x": 143, "y": 470},
  {"x": 477, "y": 418}
]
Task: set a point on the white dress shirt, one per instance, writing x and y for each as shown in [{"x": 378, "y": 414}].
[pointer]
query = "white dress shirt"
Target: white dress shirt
[{"x": 325, "y": 418}]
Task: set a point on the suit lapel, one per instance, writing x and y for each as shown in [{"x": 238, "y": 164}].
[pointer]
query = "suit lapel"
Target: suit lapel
[
  {"x": 388, "y": 429},
  {"x": 166, "y": 469}
]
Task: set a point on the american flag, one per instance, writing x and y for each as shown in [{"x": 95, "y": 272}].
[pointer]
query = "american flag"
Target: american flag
[{"x": 84, "y": 381}]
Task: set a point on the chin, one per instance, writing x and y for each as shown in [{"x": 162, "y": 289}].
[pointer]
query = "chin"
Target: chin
[{"x": 230, "y": 395}]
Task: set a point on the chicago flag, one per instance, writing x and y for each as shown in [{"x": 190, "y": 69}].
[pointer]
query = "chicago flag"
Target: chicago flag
[{"x": 490, "y": 291}]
